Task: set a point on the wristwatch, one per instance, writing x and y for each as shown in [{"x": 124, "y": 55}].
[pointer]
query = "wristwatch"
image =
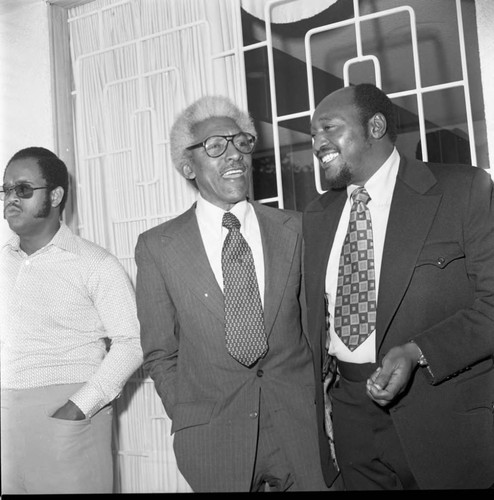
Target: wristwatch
[{"x": 421, "y": 361}]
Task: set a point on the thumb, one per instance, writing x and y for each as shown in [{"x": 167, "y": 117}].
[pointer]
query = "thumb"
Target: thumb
[{"x": 383, "y": 375}]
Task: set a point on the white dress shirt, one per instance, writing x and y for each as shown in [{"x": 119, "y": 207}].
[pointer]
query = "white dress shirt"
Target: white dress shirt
[
  {"x": 210, "y": 217},
  {"x": 380, "y": 188}
]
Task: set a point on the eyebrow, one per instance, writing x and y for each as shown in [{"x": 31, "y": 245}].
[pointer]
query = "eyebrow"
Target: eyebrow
[{"x": 23, "y": 181}]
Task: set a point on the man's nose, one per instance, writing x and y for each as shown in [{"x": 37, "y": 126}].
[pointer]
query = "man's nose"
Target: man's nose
[
  {"x": 10, "y": 193},
  {"x": 318, "y": 141},
  {"x": 232, "y": 151}
]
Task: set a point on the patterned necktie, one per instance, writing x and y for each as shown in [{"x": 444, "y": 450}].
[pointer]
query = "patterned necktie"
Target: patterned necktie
[
  {"x": 244, "y": 331},
  {"x": 355, "y": 306}
]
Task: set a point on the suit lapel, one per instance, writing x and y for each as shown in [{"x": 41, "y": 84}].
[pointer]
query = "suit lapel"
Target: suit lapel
[
  {"x": 186, "y": 253},
  {"x": 279, "y": 244},
  {"x": 321, "y": 223},
  {"x": 411, "y": 215}
]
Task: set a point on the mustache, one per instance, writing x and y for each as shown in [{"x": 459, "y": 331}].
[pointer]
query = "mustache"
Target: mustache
[
  {"x": 237, "y": 164},
  {"x": 12, "y": 204},
  {"x": 325, "y": 150}
]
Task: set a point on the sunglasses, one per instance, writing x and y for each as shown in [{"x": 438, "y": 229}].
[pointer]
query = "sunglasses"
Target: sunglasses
[{"x": 21, "y": 190}]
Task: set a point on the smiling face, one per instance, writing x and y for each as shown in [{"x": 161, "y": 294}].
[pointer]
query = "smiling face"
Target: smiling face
[
  {"x": 225, "y": 180},
  {"x": 342, "y": 144}
]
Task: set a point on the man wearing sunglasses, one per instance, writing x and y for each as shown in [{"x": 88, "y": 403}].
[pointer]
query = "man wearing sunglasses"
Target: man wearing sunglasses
[
  {"x": 234, "y": 377},
  {"x": 62, "y": 300}
]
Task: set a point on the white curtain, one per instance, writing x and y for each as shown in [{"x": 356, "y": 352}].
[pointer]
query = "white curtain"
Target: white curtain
[{"x": 136, "y": 64}]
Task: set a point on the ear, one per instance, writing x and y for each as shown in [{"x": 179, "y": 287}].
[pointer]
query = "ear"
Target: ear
[
  {"x": 188, "y": 172},
  {"x": 56, "y": 196},
  {"x": 377, "y": 126}
]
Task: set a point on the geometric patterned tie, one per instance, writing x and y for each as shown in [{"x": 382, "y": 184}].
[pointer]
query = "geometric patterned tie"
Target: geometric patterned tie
[
  {"x": 244, "y": 332},
  {"x": 355, "y": 305}
]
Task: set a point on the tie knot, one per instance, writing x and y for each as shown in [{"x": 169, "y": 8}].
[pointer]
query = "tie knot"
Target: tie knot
[
  {"x": 360, "y": 195},
  {"x": 230, "y": 221}
]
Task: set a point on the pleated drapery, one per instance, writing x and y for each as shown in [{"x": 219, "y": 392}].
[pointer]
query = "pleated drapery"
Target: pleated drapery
[{"x": 136, "y": 64}]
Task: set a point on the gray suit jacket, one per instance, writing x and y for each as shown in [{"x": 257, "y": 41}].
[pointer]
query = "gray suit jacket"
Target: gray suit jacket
[{"x": 213, "y": 401}]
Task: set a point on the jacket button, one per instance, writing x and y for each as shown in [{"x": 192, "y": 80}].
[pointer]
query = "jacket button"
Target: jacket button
[
  {"x": 260, "y": 373},
  {"x": 440, "y": 261},
  {"x": 253, "y": 414}
]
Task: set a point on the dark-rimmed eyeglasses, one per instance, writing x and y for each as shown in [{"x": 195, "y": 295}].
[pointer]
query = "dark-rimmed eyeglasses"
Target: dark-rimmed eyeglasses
[
  {"x": 22, "y": 190},
  {"x": 216, "y": 144}
]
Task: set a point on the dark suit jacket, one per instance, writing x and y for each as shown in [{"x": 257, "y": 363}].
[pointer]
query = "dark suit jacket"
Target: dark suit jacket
[
  {"x": 436, "y": 287},
  {"x": 213, "y": 401}
]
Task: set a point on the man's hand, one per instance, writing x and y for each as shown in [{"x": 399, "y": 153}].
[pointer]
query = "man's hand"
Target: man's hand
[
  {"x": 390, "y": 379},
  {"x": 69, "y": 411}
]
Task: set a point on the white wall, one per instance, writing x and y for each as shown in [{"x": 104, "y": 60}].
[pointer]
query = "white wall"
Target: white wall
[
  {"x": 25, "y": 88},
  {"x": 485, "y": 26}
]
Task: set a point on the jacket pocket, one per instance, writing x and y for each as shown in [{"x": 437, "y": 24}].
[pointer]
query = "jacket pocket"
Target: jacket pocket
[
  {"x": 474, "y": 389},
  {"x": 191, "y": 414},
  {"x": 440, "y": 254}
]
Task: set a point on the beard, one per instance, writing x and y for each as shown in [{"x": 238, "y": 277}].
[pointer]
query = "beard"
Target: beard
[
  {"x": 45, "y": 209},
  {"x": 340, "y": 179}
]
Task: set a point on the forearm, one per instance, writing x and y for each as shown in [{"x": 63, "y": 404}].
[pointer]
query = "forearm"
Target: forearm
[
  {"x": 157, "y": 316},
  {"x": 467, "y": 336},
  {"x": 123, "y": 359},
  {"x": 162, "y": 370}
]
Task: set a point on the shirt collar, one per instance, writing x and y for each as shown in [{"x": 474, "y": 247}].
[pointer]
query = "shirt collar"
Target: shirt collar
[
  {"x": 64, "y": 238},
  {"x": 381, "y": 185},
  {"x": 211, "y": 216},
  {"x": 13, "y": 242}
]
